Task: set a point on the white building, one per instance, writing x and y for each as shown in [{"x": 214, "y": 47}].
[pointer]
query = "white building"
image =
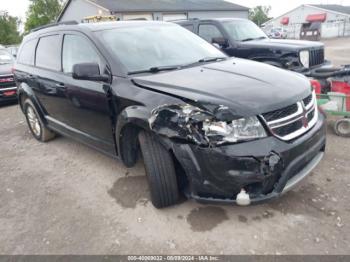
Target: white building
[
  {"x": 166, "y": 10},
  {"x": 328, "y": 20}
]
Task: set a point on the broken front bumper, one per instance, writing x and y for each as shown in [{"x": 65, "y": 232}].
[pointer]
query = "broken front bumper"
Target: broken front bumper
[{"x": 265, "y": 168}]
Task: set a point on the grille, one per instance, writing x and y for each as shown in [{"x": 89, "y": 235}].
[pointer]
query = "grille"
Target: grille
[
  {"x": 316, "y": 57},
  {"x": 287, "y": 129},
  {"x": 307, "y": 100},
  {"x": 311, "y": 115},
  {"x": 6, "y": 81},
  {"x": 292, "y": 121},
  {"x": 281, "y": 113}
]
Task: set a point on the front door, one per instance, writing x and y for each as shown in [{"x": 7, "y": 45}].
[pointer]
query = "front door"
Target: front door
[{"x": 77, "y": 108}]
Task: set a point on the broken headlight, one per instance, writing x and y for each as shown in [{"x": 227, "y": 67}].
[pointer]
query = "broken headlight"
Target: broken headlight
[{"x": 242, "y": 129}]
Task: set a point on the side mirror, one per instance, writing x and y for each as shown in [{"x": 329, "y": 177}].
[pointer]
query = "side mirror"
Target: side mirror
[
  {"x": 88, "y": 71},
  {"x": 220, "y": 41}
]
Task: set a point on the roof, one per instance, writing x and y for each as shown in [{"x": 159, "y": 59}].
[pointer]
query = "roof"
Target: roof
[
  {"x": 168, "y": 5},
  {"x": 92, "y": 27},
  {"x": 335, "y": 8},
  {"x": 163, "y": 5}
]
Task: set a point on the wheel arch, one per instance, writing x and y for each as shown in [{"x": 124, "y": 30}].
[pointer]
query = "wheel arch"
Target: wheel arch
[
  {"x": 129, "y": 123},
  {"x": 25, "y": 92}
]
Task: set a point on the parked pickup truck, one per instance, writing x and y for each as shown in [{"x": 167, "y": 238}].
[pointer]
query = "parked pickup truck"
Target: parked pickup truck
[
  {"x": 8, "y": 89},
  {"x": 242, "y": 38}
]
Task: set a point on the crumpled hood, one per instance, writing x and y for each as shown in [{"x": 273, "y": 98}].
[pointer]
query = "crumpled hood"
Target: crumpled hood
[
  {"x": 246, "y": 87},
  {"x": 284, "y": 44}
]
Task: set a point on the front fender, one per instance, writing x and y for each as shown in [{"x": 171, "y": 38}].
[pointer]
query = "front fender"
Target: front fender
[{"x": 136, "y": 116}]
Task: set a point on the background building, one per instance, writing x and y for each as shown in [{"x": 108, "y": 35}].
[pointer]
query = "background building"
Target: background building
[
  {"x": 151, "y": 9},
  {"x": 306, "y": 20}
]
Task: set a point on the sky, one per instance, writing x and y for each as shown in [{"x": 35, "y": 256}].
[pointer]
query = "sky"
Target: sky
[{"x": 19, "y": 7}]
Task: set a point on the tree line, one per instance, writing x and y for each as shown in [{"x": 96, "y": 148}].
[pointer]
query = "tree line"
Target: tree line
[{"x": 42, "y": 12}]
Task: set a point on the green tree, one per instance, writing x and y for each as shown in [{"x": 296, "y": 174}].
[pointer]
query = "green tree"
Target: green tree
[
  {"x": 42, "y": 12},
  {"x": 9, "y": 34},
  {"x": 259, "y": 14}
]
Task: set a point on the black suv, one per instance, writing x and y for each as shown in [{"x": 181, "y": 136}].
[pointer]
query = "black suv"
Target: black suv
[
  {"x": 242, "y": 38},
  {"x": 8, "y": 89},
  {"x": 216, "y": 128}
]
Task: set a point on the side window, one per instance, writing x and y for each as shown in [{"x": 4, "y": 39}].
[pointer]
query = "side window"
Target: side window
[
  {"x": 208, "y": 32},
  {"x": 48, "y": 53},
  {"x": 76, "y": 50},
  {"x": 27, "y": 54}
]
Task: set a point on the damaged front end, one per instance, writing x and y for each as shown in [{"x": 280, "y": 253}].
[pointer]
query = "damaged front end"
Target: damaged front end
[
  {"x": 212, "y": 126},
  {"x": 228, "y": 158}
]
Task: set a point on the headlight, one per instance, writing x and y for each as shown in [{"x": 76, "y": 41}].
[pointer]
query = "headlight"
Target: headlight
[
  {"x": 305, "y": 58},
  {"x": 238, "y": 130}
]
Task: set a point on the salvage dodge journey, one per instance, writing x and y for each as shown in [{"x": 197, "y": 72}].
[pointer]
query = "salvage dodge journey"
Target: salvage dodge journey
[{"x": 216, "y": 129}]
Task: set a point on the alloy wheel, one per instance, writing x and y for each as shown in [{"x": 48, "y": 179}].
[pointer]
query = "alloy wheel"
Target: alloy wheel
[{"x": 33, "y": 121}]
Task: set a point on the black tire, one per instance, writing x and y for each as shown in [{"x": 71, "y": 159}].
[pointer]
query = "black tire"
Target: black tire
[
  {"x": 160, "y": 171},
  {"x": 41, "y": 133},
  {"x": 342, "y": 127}
]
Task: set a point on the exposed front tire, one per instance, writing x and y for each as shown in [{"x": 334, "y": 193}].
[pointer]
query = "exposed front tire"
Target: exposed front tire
[
  {"x": 160, "y": 171},
  {"x": 35, "y": 124}
]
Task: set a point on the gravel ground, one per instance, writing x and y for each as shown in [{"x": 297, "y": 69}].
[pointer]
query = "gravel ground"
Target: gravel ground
[
  {"x": 338, "y": 50},
  {"x": 64, "y": 198}
]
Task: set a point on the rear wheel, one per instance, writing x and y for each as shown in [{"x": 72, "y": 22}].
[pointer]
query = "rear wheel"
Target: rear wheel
[
  {"x": 342, "y": 127},
  {"x": 160, "y": 171},
  {"x": 35, "y": 124}
]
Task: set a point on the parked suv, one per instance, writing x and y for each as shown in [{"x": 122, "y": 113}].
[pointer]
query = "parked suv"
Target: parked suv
[
  {"x": 8, "y": 89},
  {"x": 219, "y": 129},
  {"x": 242, "y": 38}
]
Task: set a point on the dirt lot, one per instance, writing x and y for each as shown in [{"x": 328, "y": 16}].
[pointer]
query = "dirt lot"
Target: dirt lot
[
  {"x": 64, "y": 198},
  {"x": 338, "y": 50}
]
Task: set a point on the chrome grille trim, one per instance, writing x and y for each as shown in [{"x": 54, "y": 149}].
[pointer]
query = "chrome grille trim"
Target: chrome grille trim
[{"x": 301, "y": 115}]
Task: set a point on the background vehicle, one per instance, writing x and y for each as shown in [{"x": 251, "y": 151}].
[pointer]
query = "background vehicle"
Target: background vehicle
[
  {"x": 8, "y": 89},
  {"x": 277, "y": 33},
  {"x": 216, "y": 128},
  {"x": 242, "y": 38},
  {"x": 13, "y": 50},
  {"x": 311, "y": 31}
]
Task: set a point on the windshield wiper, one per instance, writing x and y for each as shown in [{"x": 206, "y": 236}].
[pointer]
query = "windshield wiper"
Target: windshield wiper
[
  {"x": 211, "y": 59},
  {"x": 250, "y": 39},
  {"x": 261, "y": 37},
  {"x": 155, "y": 69},
  {"x": 247, "y": 39}
]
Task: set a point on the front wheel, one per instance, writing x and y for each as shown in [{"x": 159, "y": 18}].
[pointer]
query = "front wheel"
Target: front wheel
[
  {"x": 35, "y": 124},
  {"x": 160, "y": 170}
]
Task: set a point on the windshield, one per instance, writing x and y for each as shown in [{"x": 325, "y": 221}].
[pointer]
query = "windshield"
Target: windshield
[
  {"x": 150, "y": 46},
  {"x": 243, "y": 30},
  {"x": 5, "y": 57}
]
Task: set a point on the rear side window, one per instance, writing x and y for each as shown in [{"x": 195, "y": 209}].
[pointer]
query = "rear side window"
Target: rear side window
[
  {"x": 27, "y": 53},
  {"x": 48, "y": 53},
  {"x": 208, "y": 32},
  {"x": 189, "y": 27},
  {"x": 76, "y": 50}
]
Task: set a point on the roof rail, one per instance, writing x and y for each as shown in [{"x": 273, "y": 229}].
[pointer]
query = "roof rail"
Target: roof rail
[{"x": 54, "y": 24}]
